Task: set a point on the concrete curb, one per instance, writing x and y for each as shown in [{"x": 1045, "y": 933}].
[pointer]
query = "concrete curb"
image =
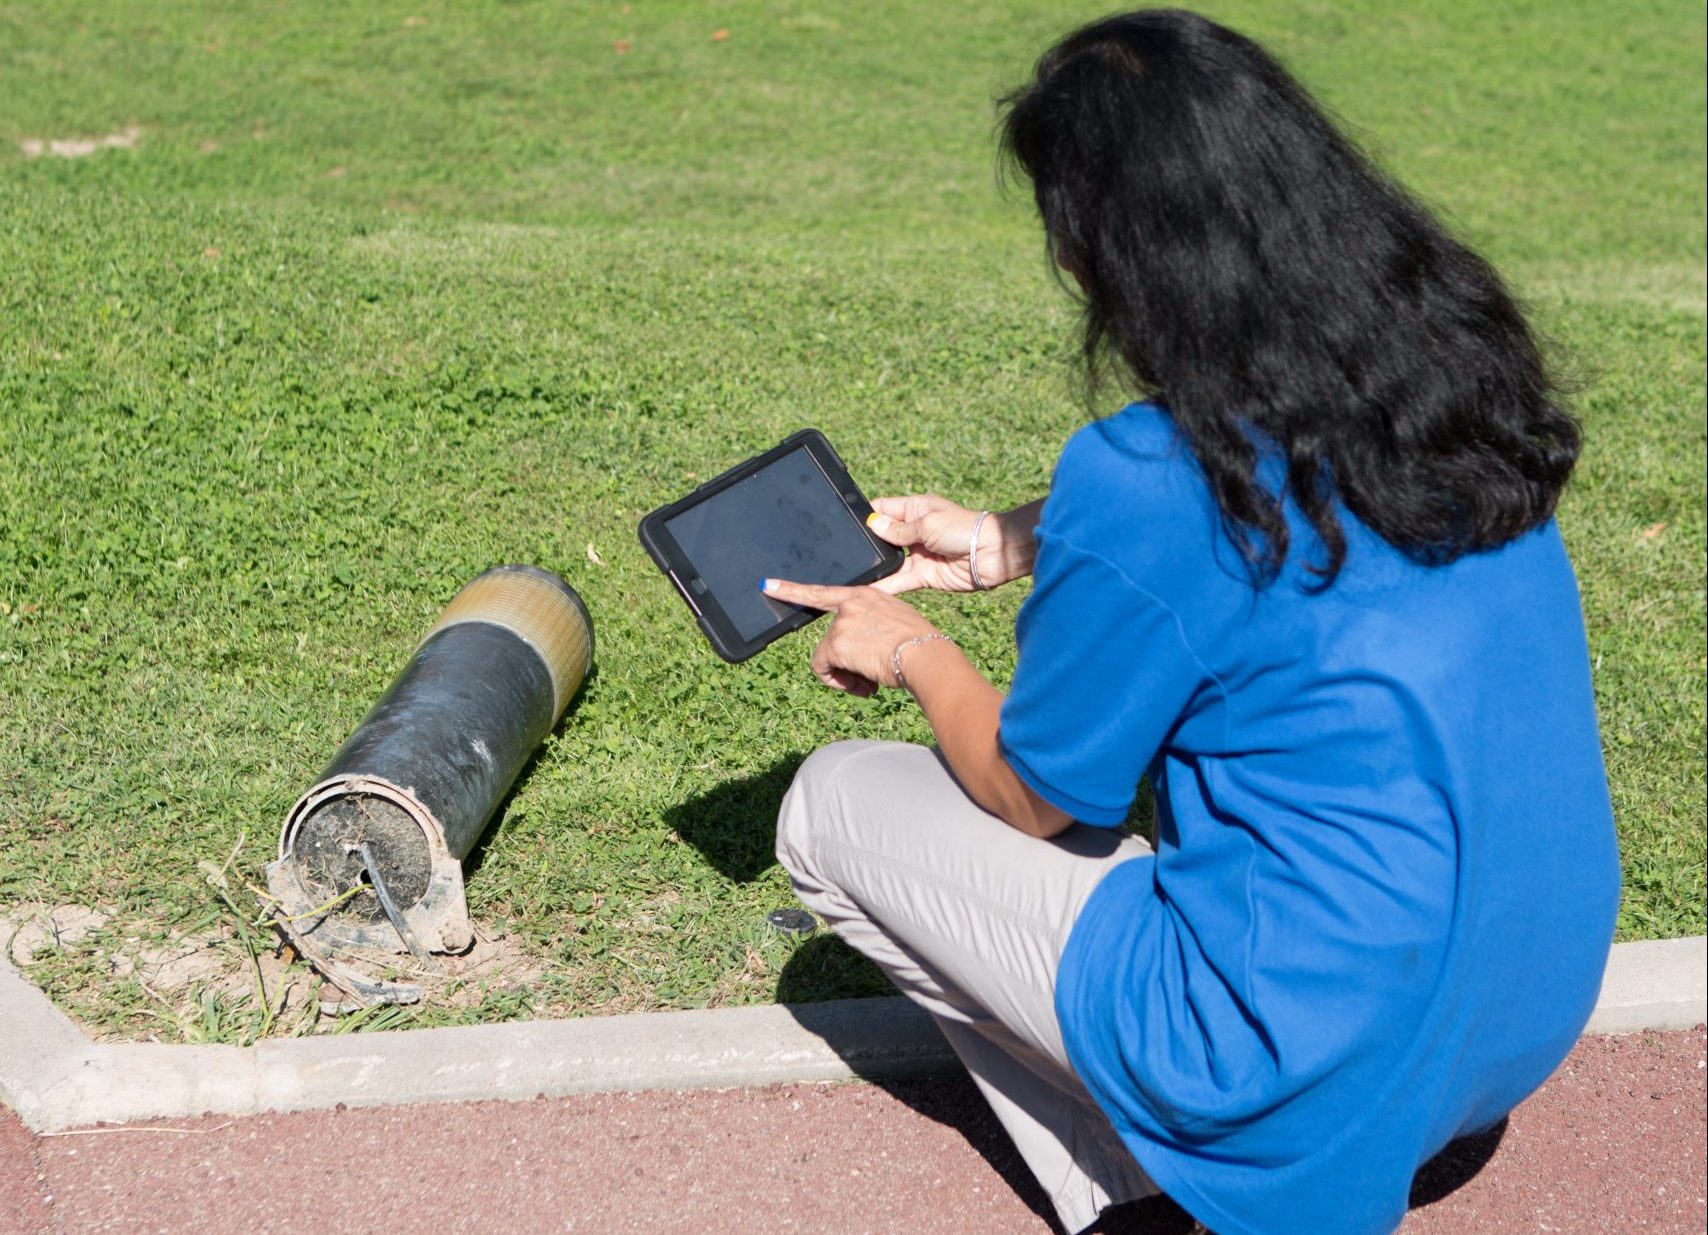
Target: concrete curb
[
  {"x": 1657, "y": 984},
  {"x": 54, "y": 1077}
]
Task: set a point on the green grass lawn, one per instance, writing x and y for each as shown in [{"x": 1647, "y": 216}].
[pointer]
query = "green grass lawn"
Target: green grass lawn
[{"x": 382, "y": 296}]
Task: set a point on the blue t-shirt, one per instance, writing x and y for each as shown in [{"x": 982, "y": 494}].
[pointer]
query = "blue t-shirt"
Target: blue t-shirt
[{"x": 1386, "y": 877}]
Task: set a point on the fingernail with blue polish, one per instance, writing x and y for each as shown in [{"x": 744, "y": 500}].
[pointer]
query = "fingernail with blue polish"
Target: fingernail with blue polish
[{"x": 765, "y": 585}]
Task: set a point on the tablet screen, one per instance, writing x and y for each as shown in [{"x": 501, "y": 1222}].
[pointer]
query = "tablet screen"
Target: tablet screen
[{"x": 784, "y": 522}]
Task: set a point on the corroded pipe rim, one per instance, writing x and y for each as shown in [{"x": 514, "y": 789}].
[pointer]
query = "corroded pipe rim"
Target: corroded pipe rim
[
  {"x": 350, "y": 785},
  {"x": 440, "y": 917}
]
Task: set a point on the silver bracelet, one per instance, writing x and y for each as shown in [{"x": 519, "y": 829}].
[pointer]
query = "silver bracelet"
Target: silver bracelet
[
  {"x": 895, "y": 657},
  {"x": 973, "y": 553}
]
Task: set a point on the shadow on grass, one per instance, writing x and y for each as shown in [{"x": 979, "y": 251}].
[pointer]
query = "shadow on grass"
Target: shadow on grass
[
  {"x": 824, "y": 967},
  {"x": 735, "y": 824}
]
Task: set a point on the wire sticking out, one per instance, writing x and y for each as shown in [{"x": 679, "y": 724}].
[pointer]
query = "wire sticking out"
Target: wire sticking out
[
  {"x": 398, "y": 921},
  {"x": 364, "y": 991}
]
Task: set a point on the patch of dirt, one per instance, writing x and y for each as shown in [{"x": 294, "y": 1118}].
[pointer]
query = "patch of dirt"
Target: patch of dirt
[
  {"x": 36, "y": 929},
  {"x": 203, "y": 985},
  {"x": 494, "y": 962},
  {"x": 181, "y": 963},
  {"x": 79, "y": 147}
]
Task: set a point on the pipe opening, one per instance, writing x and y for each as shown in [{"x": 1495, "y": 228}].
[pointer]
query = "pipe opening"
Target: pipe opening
[{"x": 327, "y": 850}]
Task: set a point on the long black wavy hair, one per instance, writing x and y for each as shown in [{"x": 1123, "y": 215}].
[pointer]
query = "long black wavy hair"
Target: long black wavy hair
[{"x": 1241, "y": 261}]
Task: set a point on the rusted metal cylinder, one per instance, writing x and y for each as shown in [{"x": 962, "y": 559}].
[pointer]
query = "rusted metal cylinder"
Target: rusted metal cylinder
[{"x": 381, "y": 835}]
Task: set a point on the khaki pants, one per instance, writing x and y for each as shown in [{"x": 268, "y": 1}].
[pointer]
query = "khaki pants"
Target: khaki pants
[{"x": 968, "y": 917}]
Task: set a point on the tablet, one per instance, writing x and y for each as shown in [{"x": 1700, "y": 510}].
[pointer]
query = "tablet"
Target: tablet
[{"x": 791, "y": 513}]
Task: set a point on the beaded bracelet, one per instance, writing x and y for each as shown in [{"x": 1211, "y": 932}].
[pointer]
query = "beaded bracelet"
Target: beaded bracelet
[{"x": 895, "y": 657}]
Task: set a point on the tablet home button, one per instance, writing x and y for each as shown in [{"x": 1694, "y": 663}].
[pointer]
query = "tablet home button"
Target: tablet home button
[{"x": 698, "y": 585}]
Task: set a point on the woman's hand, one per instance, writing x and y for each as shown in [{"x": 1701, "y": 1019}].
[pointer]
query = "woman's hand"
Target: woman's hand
[
  {"x": 857, "y": 653},
  {"x": 866, "y": 627},
  {"x": 937, "y": 534}
]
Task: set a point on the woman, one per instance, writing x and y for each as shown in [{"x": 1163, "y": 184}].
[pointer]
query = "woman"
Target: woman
[{"x": 1312, "y": 587}]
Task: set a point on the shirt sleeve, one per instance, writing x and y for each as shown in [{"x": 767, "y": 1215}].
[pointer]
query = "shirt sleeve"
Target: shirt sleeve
[{"x": 1104, "y": 674}]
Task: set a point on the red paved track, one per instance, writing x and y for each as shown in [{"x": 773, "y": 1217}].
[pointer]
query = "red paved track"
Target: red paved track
[{"x": 1614, "y": 1143}]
